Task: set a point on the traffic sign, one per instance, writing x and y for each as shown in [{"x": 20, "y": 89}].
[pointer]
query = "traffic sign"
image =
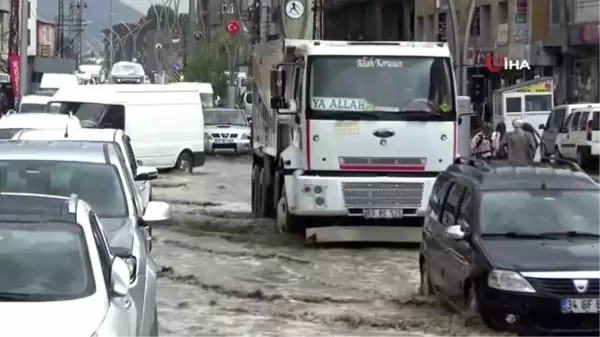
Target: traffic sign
[
  {"x": 294, "y": 9},
  {"x": 232, "y": 27},
  {"x": 176, "y": 68},
  {"x": 198, "y": 36}
]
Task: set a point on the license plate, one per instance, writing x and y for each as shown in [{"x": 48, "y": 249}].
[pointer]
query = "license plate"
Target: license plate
[
  {"x": 382, "y": 213},
  {"x": 580, "y": 306},
  {"x": 224, "y": 140}
]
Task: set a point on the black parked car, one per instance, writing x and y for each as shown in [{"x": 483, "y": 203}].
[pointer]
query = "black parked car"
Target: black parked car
[{"x": 519, "y": 244}]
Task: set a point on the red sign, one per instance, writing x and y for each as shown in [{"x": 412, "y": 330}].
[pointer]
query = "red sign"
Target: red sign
[
  {"x": 232, "y": 27},
  {"x": 14, "y": 67},
  {"x": 494, "y": 63},
  {"x": 590, "y": 33}
]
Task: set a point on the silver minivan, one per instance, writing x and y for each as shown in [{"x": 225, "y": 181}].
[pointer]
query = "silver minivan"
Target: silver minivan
[{"x": 557, "y": 117}]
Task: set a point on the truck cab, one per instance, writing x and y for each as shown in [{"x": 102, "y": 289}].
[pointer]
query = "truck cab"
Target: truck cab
[{"x": 360, "y": 132}]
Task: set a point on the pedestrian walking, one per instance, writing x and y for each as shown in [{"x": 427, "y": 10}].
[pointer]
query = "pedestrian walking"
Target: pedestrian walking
[
  {"x": 497, "y": 136},
  {"x": 481, "y": 143},
  {"x": 520, "y": 144}
]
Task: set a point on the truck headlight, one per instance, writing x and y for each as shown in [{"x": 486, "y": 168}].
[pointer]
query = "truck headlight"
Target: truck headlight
[
  {"x": 245, "y": 136},
  {"x": 508, "y": 280}
]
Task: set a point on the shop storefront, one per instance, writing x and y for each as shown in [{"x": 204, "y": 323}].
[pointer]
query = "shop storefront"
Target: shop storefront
[{"x": 585, "y": 70}]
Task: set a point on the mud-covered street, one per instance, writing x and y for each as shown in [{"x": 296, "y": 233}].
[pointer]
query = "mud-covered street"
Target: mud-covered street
[{"x": 222, "y": 272}]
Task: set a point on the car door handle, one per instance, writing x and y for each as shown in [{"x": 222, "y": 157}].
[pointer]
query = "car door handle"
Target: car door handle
[
  {"x": 143, "y": 187},
  {"x": 127, "y": 303}
]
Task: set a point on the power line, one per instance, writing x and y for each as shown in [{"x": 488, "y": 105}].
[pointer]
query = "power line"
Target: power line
[{"x": 70, "y": 26}]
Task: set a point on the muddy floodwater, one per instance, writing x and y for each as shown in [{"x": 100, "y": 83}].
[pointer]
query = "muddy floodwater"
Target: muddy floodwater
[{"x": 225, "y": 273}]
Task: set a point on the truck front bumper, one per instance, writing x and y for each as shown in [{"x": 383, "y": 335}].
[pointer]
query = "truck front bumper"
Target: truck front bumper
[{"x": 352, "y": 196}]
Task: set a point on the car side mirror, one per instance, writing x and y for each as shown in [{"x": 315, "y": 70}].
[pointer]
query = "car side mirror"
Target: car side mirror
[
  {"x": 277, "y": 82},
  {"x": 119, "y": 278},
  {"x": 454, "y": 233},
  {"x": 157, "y": 212},
  {"x": 145, "y": 173},
  {"x": 541, "y": 127}
]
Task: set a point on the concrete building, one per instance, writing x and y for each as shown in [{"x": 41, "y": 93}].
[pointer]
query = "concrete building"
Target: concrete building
[
  {"x": 32, "y": 19},
  {"x": 46, "y": 38},
  {"x": 572, "y": 38},
  {"x": 515, "y": 29}
]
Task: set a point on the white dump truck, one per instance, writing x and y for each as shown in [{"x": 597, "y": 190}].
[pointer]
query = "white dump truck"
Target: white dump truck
[{"x": 348, "y": 137}]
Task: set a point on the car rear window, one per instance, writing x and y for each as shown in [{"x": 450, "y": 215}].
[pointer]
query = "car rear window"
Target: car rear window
[{"x": 8, "y": 133}]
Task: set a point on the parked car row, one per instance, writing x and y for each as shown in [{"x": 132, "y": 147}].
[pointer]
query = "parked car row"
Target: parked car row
[{"x": 517, "y": 245}]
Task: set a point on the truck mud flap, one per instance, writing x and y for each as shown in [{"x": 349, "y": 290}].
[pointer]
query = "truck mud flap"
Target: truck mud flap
[{"x": 382, "y": 234}]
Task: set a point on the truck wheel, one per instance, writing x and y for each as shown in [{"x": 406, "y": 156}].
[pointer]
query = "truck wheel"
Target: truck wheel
[
  {"x": 287, "y": 222},
  {"x": 254, "y": 188},
  {"x": 265, "y": 205}
]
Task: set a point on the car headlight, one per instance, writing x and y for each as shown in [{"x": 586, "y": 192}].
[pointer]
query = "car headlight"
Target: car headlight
[
  {"x": 132, "y": 265},
  {"x": 509, "y": 281},
  {"x": 245, "y": 136}
]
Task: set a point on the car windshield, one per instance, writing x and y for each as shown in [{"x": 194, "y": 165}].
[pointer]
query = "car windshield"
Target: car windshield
[
  {"x": 537, "y": 212},
  {"x": 44, "y": 262},
  {"x": 31, "y": 107},
  {"x": 596, "y": 121},
  {"x": 127, "y": 69},
  {"x": 8, "y": 133},
  {"x": 383, "y": 88},
  {"x": 207, "y": 99},
  {"x": 98, "y": 184},
  {"x": 225, "y": 117}
]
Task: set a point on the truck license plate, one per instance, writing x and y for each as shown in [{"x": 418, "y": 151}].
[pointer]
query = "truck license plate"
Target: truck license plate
[
  {"x": 224, "y": 140},
  {"x": 580, "y": 306},
  {"x": 382, "y": 213}
]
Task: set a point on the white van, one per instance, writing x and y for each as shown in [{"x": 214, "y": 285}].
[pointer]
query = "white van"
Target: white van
[
  {"x": 12, "y": 123},
  {"x": 58, "y": 81},
  {"x": 165, "y": 122},
  {"x": 205, "y": 89},
  {"x": 33, "y": 103}
]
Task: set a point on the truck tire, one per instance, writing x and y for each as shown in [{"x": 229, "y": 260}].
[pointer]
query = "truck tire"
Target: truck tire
[
  {"x": 265, "y": 205},
  {"x": 287, "y": 222},
  {"x": 254, "y": 189}
]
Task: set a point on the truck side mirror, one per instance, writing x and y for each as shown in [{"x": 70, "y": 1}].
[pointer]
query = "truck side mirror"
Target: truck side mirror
[{"x": 277, "y": 83}]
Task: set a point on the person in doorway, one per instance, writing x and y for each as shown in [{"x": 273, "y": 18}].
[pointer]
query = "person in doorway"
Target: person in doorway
[
  {"x": 497, "y": 136},
  {"x": 519, "y": 143},
  {"x": 481, "y": 144}
]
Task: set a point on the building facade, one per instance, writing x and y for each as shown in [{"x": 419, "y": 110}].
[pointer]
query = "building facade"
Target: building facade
[
  {"x": 512, "y": 29},
  {"x": 572, "y": 39},
  {"x": 46, "y": 38}
]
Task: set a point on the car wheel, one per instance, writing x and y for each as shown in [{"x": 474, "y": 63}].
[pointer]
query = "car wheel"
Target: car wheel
[
  {"x": 185, "y": 163},
  {"x": 425, "y": 287},
  {"x": 475, "y": 309},
  {"x": 154, "y": 330}
]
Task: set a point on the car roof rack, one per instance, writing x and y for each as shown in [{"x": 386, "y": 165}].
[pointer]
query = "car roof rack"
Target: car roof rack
[{"x": 73, "y": 203}]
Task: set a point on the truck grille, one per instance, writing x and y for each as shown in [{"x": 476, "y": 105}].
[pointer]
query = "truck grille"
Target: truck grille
[
  {"x": 382, "y": 195},
  {"x": 224, "y": 135},
  {"x": 382, "y": 161},
  {"x": 563, "y": 286}
]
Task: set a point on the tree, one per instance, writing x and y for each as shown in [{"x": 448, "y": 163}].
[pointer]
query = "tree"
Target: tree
[
  {"x": 160, "y": 16},
  {"x": 209, "y": 64}
]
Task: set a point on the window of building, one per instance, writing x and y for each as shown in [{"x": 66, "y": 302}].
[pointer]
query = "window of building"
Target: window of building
[
  {"x": 513, "y": 104},
  {"x": 28, "y": 9},
  {"x": 476, "y": 22},
  {"x": 556, "y": 6},
  {"x": 29, "y": 37},
  {"x": 503, "y": 12}
]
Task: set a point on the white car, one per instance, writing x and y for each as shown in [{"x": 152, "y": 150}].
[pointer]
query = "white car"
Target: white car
[
  {"x": 78, "y": 289},
  {"x": 117, "y": 137},
  {"x": 226, "y": 130},
  {"x": 579, "y": 137},
  {"x": 14, "y": 122}
]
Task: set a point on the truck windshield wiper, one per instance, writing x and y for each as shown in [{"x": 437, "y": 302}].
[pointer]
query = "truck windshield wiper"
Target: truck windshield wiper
[
  {"x": 517, "y": 235},
  {"x": 15, "y": 297},
  {"x": 572, "y": 234}
]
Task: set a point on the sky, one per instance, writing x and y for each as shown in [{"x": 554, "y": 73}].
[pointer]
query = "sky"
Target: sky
[{"x": 142, "y": 5}]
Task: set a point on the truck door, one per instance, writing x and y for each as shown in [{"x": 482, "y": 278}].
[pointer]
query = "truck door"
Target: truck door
[{"x": 512, "y": 108}]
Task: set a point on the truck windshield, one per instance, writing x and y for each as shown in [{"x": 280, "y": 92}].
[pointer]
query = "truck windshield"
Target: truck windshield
[{"x": 382, "y": 88}]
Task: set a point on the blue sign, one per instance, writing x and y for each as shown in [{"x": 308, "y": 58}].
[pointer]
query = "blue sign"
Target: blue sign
[{"x": 176, "y": 68}]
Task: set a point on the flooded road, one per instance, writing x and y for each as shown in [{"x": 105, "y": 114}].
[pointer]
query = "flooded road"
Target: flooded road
[{"x": 223, "y": 272}]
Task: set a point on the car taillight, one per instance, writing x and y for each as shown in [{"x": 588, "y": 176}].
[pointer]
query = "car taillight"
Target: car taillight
[{"x": 589, "y": 130}]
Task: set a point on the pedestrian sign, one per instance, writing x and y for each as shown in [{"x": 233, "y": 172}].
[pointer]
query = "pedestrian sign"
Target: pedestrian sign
[
  {"x": 176, "y": 68},
  {"x": 294, "y": 9}
]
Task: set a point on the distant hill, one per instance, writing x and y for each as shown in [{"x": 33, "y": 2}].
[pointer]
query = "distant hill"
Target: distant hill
[{"x": 97, "y": 13}]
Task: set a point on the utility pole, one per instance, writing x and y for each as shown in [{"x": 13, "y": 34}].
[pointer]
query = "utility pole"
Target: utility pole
[
  {"x": 23, "y": 69},
  {"x": 111, "y": 39},
  {"x": 461, "y": 51},
  {"x": 192, "y": 28}
]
